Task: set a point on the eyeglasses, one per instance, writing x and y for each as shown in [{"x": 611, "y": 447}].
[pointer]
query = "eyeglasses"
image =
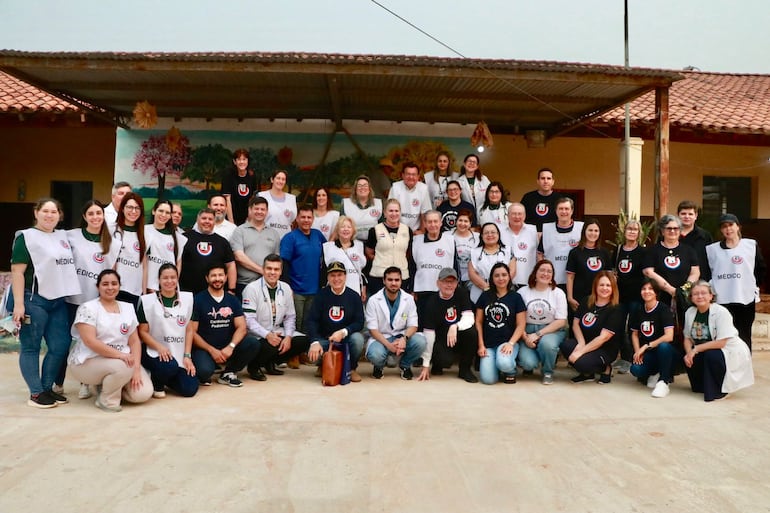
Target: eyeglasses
[
  {"x": 672, "y": 228},
  {"x": 131, "y": 207},
  {"x": 362, "y": 186}
]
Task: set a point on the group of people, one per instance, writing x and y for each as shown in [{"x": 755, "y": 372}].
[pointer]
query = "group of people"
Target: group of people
[{"x": 440, "y": 271}]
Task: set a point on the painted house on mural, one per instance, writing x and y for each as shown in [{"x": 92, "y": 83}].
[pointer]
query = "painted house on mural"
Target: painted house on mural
[{"x": 719, "y": 130}]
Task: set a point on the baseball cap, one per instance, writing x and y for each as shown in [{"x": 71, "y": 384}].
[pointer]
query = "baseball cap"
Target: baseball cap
[
  {"x": 335, "y": 266},
  {"x": 447, "y": 272},
  {"x": 728, "y": 218}
]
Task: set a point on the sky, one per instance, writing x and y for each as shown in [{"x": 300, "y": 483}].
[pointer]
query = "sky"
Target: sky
[{"x": 711, "y": 35}]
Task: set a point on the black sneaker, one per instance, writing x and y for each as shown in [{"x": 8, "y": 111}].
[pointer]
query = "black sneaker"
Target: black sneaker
[
  {"x": 257, "y": 375},
  {"x": 41, "y": 400},
  {"x": 604, "y": 379},
  {"x": 468, "y": 376},
  {"x": 406, "y": 373},
  {"x": 582, "y": 377},
  {"x": 436, "y": 370},
  {"x": 230, "y": 379},
  {"x": 205, "y": 382},
  {"x": 60, "y": 399},
  {"x": 377, "y": 373}
]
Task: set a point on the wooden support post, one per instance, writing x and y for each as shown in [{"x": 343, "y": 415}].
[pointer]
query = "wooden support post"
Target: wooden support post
[{"x": 661, "y": 152}]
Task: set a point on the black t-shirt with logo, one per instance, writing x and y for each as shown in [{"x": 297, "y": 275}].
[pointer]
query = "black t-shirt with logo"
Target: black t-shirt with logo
[
  {"x": 651, "y": 325},
  {"x": 499, "y": 316},
  {"x": 673, "y": 265},
  {"x": 586, "y": 263},
  {"x": 439, "y": 314},
  {"x": 593, "y": 320},
  {"x": 628, "y": 268}
]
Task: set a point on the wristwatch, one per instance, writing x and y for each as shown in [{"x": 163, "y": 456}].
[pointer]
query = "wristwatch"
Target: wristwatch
[{"x": 231, "y": 345}]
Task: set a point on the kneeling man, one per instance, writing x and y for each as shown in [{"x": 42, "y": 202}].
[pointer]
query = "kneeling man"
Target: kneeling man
[{"x": 391, "y": 316}]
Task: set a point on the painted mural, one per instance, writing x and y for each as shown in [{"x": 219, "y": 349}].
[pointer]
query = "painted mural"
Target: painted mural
[{"x": 189, "y": 165}]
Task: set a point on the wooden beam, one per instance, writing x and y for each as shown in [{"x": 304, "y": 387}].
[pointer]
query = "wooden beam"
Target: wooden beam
[
  {"x": 335, "y": 100},
  {"x": 661, "y": 152}
]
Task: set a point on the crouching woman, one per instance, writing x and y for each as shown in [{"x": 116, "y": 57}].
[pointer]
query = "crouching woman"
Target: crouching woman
[
  {"x": 718, "y": 362},
  {"x": 107, "y": 352}
]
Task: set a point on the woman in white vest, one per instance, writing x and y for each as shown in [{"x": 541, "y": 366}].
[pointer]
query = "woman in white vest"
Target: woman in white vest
[
  {"x": 94, "y": 252},
  {"x": 438, "y": 179},
  {"x": 490, "y": 251},
  {"x": 737, "y": 269},
  {"x": 432, "y": 251},
  {"x": 128, "y": 237},
  {"x": 164, "y": 244},
  {"x": 362, "y": 207},
  {"x": 107, "y": 351},
  {"x": 473, "y": 183},
  {"x": 345, "y": 248},
  {"x": 465, "y": 241},
  {"x": 42, "y": 275},
  {"x": 389, "y": 244},
  {"x": 495, "y": 208},
  {"x": 165, "y": 328},
  {"x": 718, "y": 362},
  {"x": 325, "y": 218},
  {"x": 281, "y": 206}
]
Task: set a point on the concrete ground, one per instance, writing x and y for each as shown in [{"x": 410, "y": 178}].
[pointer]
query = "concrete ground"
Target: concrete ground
[{"x": 291, "y": 445}]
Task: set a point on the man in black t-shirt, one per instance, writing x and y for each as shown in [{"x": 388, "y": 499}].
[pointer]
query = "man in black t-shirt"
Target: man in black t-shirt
[
  {"x": 204, "y": 249},
  {"x": 540, "y": 204},
  {"x": 448, "y": 325}
]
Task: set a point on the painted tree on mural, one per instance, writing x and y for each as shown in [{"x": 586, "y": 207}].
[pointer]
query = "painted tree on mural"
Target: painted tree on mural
[
  {"x": 422, "y": 153},
  {"x": 208, "y": 164},
  {"x": 163, "y": 155}
]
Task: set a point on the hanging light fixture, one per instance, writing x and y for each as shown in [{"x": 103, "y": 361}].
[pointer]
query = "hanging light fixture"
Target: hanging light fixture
[{"x": 482, "y": 137}]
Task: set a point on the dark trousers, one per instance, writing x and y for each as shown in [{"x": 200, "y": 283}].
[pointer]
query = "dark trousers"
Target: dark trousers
[
  {"x": 662, "y": 359},
  {"x": 707, "y": 374},
  {"x": 595, "y": 362},
  {"x": 169, "y": 374},
  {"x": 465, "y": 349},
  {"x": 743, "y": 318},
  {"x": 243, "y": 353},
  {"x": 268, "y": 354}
]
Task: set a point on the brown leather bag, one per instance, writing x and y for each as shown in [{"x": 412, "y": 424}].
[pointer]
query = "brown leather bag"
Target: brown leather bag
[{"x": 331, "y": 367}]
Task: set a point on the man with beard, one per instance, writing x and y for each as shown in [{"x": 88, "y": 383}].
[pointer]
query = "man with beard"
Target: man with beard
[
  {"x": 220, "y": 334},
  {"x": 203, "y": 250},
  {"x": 540, "y": 204},
  {"x": 391, "y": 316},
  {"x": 222, "y": 226}
]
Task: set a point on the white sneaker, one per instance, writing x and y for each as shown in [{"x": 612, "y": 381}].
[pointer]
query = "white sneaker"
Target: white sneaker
[
  {"x": 57, "y": 388},
  {"x": 159, "y": 394},
  {"x": 652, "y": 381},
  {"x": 661, "y": 389},
  {"x": 84, "y": 392}
]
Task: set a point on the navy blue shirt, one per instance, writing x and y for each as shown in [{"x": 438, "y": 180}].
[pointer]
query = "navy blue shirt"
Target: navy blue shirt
[
  {"x": 499, "y": 316},
  {"x": 597, "y": 318},
  {"x": 330, "y": 312},
  {"x": 651, "y": 325},
  {"x": 216, "y": 320}
]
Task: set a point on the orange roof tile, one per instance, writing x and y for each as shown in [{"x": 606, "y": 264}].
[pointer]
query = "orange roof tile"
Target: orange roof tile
[
  {"x": 19, "y": 97},
  {"x": 715, "y": 102}
]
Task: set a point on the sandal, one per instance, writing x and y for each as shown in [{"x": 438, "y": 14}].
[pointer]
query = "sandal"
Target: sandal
[{"x": 509, "y": 379}]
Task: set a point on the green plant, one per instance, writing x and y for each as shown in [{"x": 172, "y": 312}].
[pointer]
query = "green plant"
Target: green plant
[{"x": 646, "y": 228}]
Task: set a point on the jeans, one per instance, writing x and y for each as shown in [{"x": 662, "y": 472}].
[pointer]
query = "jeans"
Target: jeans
[
  {"x": 378, "y": 353},
  {"x": 48, "y": 319},
  {"x": 545, "y": 351},
  {"x": 496, "y": 362},
  {"x": 243, "y": 353},
  {"x": 356, "y": 345},
  {"x": 661, "y": 359}
]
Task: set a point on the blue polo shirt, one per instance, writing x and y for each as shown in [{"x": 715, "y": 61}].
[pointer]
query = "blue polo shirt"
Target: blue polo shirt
[{"x": 302, "y": 255}]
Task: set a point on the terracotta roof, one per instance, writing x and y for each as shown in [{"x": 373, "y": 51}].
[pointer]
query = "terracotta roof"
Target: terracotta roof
[
  {"x": 17, "y": 97},
  {"x": 714, "y": 102}
]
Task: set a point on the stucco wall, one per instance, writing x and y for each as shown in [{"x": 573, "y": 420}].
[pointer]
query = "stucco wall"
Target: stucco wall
[
  {"x": 593, "y": 165},
  {"x": 39, "y": 155}
]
